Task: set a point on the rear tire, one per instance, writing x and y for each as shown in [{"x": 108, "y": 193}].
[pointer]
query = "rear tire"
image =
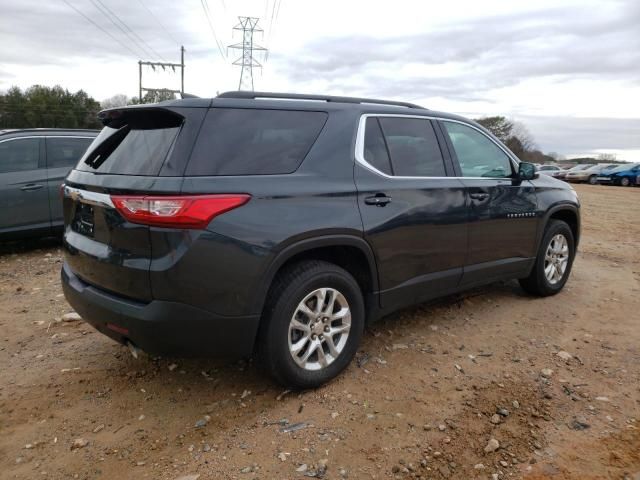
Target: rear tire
[
  {"x": 312, "y": 324},
  {"x": 553, "y": 261},
  {"x": 593, "y": 180}
]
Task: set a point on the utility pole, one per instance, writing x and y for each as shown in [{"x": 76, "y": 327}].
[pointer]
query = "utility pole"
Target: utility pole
[
  {"x": 164, "y": 66},
  {"x": 248, "y": 26}
]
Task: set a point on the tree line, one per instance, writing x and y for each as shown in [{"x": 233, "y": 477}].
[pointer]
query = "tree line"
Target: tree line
[{"x": 55, "y": 107}]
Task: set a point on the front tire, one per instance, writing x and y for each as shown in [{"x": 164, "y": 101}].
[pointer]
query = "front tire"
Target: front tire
[
  {"x": 553, "y": 261},
  {"x": 625, "y": 182},
  {"x": 312, "y": 324}
]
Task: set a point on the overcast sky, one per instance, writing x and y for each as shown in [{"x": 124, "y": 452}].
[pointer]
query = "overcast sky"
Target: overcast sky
[{"x": 569, "y": 70}]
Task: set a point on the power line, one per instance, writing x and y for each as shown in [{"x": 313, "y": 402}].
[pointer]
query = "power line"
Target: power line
[
  {"x": 116, "y": 39},
  {"x": 122, "y": 30},
  {"x": 278, "y": 10},
  {"x": 159, "y": 22},
  {"x": 144, "y": 46},
  {"x": 132, "y": 31},
  {"x": 205, "y": 7},
  {"x": 274, "y": 16},
  {"x": 273, "y": 13}
]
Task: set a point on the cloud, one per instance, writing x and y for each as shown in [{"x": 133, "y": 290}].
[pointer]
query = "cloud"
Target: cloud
[
  {"x": 465, "y": 60},
  {"x": 582, "y": 135}
]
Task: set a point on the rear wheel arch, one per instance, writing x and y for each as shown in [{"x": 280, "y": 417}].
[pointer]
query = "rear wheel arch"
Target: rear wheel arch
[{"x": 348, "y": 252}]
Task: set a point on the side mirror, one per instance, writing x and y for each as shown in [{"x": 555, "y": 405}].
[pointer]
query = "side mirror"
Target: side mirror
[{"x": 527, "y": 171}]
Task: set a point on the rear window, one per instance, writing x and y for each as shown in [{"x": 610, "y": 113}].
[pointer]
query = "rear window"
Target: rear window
[
  {"x": 137, "y": 145},
  {"x": 236, "y": 141}
]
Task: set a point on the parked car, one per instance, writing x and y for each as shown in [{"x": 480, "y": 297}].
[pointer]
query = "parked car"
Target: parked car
[
  {"x": 282, "y": 224},
  {"x": 563, "y": 175},
  {"x": 590, "y": 175},
  {"x": 551, "y": 170},
  {"x": 624, "y": 175},
  {"x": 33, "y": 165}
]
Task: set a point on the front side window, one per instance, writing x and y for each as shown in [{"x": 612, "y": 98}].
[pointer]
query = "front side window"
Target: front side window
[
  {"x": 478, "y": 156},
  {"x": 19, "y": 154},
  {"x": 65, "y": 151},
  {"x": 413, "y": 147}
]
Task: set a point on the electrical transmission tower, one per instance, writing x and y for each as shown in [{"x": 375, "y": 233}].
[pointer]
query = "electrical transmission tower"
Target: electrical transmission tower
[
  {"x": 162, "y": 65},
  {"x": 248, "y": 26}
]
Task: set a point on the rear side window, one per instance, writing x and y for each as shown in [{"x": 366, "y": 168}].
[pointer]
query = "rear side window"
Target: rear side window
[
  {"x": 413, "y": 147},
  {"x": 19, "y": 155},
  {"x": 375, "y": 150},
  {"x": 236, "y": 141},
  {"x": 65, "y": 151},
  {"x": 138, "y": 144}
]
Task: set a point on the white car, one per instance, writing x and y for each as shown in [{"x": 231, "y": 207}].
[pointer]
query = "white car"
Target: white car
[{"x": 551, "y": 170}]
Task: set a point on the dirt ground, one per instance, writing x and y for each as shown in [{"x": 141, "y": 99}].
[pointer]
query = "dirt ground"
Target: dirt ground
[{"x": 430, "y": 387}]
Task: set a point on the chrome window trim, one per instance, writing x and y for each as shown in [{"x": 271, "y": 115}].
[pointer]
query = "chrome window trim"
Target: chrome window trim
[
  {"x": 20, "y": 138},
  {"x": 3, "y": 140},
  {"x": 67, "y": 136},
  {"x": 85, "y": 196},
  {"x": 359, "y": 147}
]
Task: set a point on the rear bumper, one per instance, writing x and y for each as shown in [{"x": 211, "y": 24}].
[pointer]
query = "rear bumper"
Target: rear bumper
[{"x": 159, "y": 327}]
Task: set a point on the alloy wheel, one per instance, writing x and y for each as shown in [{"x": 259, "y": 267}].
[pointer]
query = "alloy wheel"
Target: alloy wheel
[
  {"x": 556, "y": 259},
  {"x": 319, "y": 329}
]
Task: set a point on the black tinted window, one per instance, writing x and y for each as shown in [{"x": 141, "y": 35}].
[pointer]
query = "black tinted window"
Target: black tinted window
[
  {"x": 138, "y": 146},
  {"x": 413, "y": 147},
  {"x": 375, "y": 150},
  {"x": 19, "y": 154},
  {"x": 477, "y": 155},
  {"x": 65, "y": 151},
  {"x": 253, "y": 142}
]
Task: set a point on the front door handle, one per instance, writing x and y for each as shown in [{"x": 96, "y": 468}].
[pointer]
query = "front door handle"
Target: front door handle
[
  {"x": 379, "y": 200},
  {"x": 479, "y": 196},
  {"x": 31, "y": 186}
]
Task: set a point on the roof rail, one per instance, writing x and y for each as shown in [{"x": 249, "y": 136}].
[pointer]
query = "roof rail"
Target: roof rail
[{"x": 320, "y": 98}]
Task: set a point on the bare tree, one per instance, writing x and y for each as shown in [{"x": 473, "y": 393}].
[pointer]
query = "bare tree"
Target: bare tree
[
  {"x": 607, "y": 157},
  {"x": 119, "y": 100},
  {"x": 521, "y": 132}
]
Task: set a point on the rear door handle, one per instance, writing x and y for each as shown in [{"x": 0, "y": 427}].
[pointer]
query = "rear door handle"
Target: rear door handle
[
  {"x": 479, "y": 196},
  {"x": 379, "y": 200},
  {"x": 31, "y": 186}
]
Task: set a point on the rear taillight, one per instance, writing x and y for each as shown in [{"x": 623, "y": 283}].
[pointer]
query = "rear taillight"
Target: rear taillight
[{"x": 184, "y": 211}]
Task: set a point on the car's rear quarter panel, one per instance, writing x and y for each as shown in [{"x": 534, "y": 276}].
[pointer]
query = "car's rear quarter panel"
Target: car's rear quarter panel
[{"x": 223, "y": 269}]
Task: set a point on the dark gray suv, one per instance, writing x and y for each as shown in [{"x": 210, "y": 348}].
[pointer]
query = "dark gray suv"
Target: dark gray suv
[
  {"x": 282, "y": 224},
  {"x": 33, "y": 165}
]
